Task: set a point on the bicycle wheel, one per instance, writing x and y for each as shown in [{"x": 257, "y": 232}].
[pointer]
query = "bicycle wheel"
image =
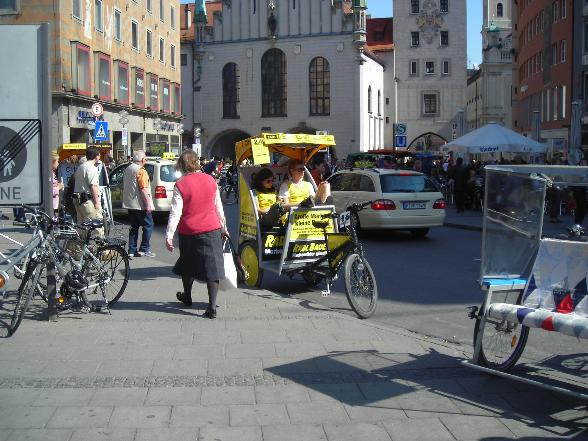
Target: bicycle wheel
[
  {"x": 360, "y": 285},
  {"x": 502, "y": 344},
  {"x": 110, "y": 272},
  {"x": 25, "y": 294},
  {"x": 228, "y": 195},
  {"x": 250, "y": 260}
]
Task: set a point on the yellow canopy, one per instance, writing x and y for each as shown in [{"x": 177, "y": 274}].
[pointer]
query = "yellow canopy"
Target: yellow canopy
[
  {"x": 67, "y": 150},
  {"x": 300, "y": 146}
]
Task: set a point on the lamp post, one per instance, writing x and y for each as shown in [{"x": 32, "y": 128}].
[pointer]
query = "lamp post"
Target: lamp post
[
  {"x": 156, "y": 126},
  {"x": 124, "y": 120},
  {"x": 180, "y": 131}
]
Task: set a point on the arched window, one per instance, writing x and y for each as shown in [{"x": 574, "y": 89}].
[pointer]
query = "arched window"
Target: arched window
[
  {"x": 320, "y": 87},
  {"x": 499, "y": 10},
  {"x": 230, "y": 91},
  {"x": 273, "y": 83},
  {"x": 379, "y": 102},
  {"x": 370, "y": 99}
]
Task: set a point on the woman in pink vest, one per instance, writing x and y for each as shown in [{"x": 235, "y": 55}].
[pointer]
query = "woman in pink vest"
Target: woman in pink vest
[{"x": 198, "y": 212}]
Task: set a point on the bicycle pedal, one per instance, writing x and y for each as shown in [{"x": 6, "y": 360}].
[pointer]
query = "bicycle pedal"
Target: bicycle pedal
[
  {"x": 325, "y": 293},
  {"x": 85, "y": 309}
]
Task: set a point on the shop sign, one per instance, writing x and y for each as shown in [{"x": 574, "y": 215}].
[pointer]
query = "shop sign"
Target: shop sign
[
  {"x": 167, "y": 126},
  {"x": 86, "y": 117}
]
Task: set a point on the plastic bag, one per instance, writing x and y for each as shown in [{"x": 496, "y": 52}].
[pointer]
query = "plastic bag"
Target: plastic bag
[{"x": 230, "y": 280}]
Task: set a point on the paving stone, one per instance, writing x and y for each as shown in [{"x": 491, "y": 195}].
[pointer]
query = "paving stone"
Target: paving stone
[
  {"x": 69, "y": 369},
  {"x": 199, "y": 352},
  {"x": 354, "y": 432},
  {"x": 368, "y": 412},
  {"x": 306, "y": 349},
  {"x": 20, "y": 417},
  {"x": 264, "y": 337},
  {"x": 258, "y": 415},
  {"x": 103, "y": 434},
  {"x": 345, "y": 393},
  {"x": 5, "y": 433},
  {"x": 39, "y": 435},
  {"x": 317, "y": 413},
  {"x": 490, "y": 405},
  {"x": 80, "y": 417},
  {"x": 209, "y": 337},
  {"x": 158, "y": 396},
  {"x": 288, "y": 365},
  {"x": 123, "y": 368},
  {"x": 466, "y": 427},
  {"x": 545, "y": 428},
  {"x": 288, "y": 393},
  {"x": 294, "y": 432},
  {"x": 141, "y": 417},
  {"x": 389, "y": 390},
  {"x": 214, "y": 433},
  {"x": 430, "y": 429},
  {"x": 18, "y": 397},
  {"x": 249, "y": 350},
  {"x": 167, "y": 434},
  {"x": 242, "y": 366},
  {"x": 128, "y": 396},
  {"x": 148, "y": 352},
  {"x": 64, "y": 397},
  {"x": 228, "y": 395},
  {"x": 199, "y": 416},
  {"x": 180, "y": 367}
]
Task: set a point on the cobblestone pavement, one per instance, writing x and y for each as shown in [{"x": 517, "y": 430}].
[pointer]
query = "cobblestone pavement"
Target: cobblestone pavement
[{"x": 269, "y": 368}]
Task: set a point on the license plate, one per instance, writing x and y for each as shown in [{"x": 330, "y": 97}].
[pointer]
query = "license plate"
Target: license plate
[
  {"x": 414, "y": 205},
  {"x": 344, "y": 219}
]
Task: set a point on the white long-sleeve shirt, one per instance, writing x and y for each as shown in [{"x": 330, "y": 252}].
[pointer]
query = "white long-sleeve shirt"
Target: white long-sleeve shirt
[{"x": 177, "y": 206}]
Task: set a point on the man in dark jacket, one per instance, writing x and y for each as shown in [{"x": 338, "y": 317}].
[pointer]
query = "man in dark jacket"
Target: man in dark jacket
[{"x": 460, "y": 180}]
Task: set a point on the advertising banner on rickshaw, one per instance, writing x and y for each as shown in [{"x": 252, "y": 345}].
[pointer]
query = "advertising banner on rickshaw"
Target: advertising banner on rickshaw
[
  {"x": 297, "y": 138},
  {"x": 247, "y": 224},
  {"x": 306, "y": 240}
]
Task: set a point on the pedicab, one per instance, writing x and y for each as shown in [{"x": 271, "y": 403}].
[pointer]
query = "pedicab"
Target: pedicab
[
  {"x": 67, "y": 169},
  {"x": 312, "y": 242},
  {"x": 531, "y": 280}
]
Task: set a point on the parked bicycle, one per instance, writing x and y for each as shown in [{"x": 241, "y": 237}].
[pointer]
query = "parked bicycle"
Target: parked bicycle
[{"x": 228, "y": 189}]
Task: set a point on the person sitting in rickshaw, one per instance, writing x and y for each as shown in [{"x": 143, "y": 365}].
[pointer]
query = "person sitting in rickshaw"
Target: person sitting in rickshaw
[
  {"x": 296, "y": 191},
  {"x": 266, "y": 198}
]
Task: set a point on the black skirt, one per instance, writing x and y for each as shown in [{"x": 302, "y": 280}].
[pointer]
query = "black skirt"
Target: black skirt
[{"x": 201, "y": 256}]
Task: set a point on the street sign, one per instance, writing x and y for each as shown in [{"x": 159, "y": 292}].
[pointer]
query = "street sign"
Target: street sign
[
  {"x": 97, "y": 109},
  {"x": 125, "y": 136},
  {"x": 101, "y": 131},
  {"x": 400, "y": 141},
  {"x": 400, "y": 129}
]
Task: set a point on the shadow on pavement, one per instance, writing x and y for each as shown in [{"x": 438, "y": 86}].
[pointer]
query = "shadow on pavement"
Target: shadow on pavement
[
  {"x": 149, "y": 273},
  {"x": 174, "y": 307},
  {"x": 436, "y": 385}
]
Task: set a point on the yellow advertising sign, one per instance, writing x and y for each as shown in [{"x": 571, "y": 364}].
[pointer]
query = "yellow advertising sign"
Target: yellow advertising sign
[
  {"x": 260, "y": 152},
  {"x": 168, "y": 155},
  {"x": 302, "y": 227},
  {"x": 248, "y": 225},
  {"x": 298, "y": 138},
  {"x": 76, "y": 146}
]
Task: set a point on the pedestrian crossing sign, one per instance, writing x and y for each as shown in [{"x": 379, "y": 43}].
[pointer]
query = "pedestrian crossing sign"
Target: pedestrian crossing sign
[{"x": 101, "y": 131}]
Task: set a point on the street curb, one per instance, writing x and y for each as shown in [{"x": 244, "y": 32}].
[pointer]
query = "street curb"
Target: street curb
[{"x": 462, "y": 226}]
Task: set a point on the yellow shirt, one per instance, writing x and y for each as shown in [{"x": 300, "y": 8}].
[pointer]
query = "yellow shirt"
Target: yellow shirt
[
  {"x": 265, "y": 200},
  {"x": 296, "y": 193}
]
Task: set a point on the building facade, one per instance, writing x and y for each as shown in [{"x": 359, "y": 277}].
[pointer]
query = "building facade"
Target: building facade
[
  {"x": 580, "y": 69},
  {"x": 542, "y": 71},
  {"x": 123, "y": 56},
  {"x": 430, "y": 68},
  {"x": 281, "y": 66}
]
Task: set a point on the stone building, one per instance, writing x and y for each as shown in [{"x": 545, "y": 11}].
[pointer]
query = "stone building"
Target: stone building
[
  {"x": 430, "y": 68},
  {"x": 122, "y": 55},
  {"x": 281, "y": 66},
  {"x": 489, "y": 94},
  {"x": 580, "y": 70}
]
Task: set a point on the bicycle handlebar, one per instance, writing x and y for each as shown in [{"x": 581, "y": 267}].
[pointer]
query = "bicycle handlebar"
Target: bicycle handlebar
[{"x": 355, "y": 207}]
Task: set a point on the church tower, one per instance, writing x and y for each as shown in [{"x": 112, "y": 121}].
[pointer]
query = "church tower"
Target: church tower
[{"x": 497, "y": 31}]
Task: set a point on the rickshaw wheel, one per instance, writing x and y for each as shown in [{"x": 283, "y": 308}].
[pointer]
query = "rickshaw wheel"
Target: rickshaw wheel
[
  {"x": 360, "y": 285},
  {"x": 250, "y": 260},
  {"x": 311, "y": 279},
  {"x": 502, "y": 344}
]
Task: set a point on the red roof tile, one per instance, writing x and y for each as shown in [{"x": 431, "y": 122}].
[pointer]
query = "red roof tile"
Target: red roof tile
[{"x": 380, "y": 34}]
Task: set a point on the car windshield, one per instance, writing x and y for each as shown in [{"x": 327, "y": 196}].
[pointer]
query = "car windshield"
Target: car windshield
[
  {"x": 406, "y": 184},
  {"x": 167, "y": 173}
]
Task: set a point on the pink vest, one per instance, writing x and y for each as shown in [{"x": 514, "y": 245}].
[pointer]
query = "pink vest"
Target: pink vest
[{"x": 199, "y": 213}]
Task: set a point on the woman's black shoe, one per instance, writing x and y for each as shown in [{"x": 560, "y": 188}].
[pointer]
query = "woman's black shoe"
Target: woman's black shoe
[
  {"x": 182, "y": 297},
  {"x": 211, "y": 314}
]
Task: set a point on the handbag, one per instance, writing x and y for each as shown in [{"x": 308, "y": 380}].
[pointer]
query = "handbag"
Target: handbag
[{"x": 230, "y": 280}]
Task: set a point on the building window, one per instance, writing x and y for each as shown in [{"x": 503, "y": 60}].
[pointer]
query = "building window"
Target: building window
[
  {"x": 183, "y": 59},
  {"x": 413, "y": 68},
  {"x": 76, "y": 9},
  {"x": 444, "y": 6},
  {"x": 161, "y": 50},
  {"x": 564, "y": 11},
  {"x": 562, "y": 51},
  {"x": 187, "y": 18},
  {"x": 165, "y": 95},
  {"x": 172, "y": 17},
  {"x": 555, "y": 11},
  {"x": 444, "y": 38},
  {"x": 122, "y": 88},
  {"x": 103, "y": 77},
  {"x": 499, "y": 10},
  {"x": 554, "y": 53},
  {"x": 161, "y": 11},
  {"x": 153, "y": 92},
  {"x": 149, "y": 43},
  {"x": 429, "y": 67},
  {"x": 139, "y": 85},
  {"x": 273, "y": 83},
  {"x": 117, "y": 25},
  {"x": 177, "y": 99},
  {"x": 83, "y": 81},
  {"x": 369, "y": 98},
  {"x": 379, "y": 103},
  {"x": 445, "y": 67},
  {"x": 561, "y": 102},
  {"x": 430, "y": 103},
  {"x": 230, "y": 91},
  {"x": 585, "y": 37},
  {"x": 135, "y": 35},
  {"x": 172, "y": 56},
  {"x": 150, "y": 6},
  {"x": 415, "y": 39},
  {"x": 415, "y": 6},
  {"x": 97, "y": 15},
  {"x": 320, "y": 87}
]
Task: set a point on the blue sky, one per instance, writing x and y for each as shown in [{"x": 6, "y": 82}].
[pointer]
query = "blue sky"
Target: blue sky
[{"x": 383, "y": 8}]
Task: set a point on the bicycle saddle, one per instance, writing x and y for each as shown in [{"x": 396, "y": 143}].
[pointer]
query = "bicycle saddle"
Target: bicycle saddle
[
  {"x": 320, "y": 224},
  {"x": 92, "y": 224}
]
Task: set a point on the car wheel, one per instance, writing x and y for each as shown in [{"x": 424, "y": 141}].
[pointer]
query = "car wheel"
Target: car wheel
[{"x": 420, "y": 232}]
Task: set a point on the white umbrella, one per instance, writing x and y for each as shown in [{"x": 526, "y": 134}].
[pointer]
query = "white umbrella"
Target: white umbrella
[{"x": 494, "y": 138}]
